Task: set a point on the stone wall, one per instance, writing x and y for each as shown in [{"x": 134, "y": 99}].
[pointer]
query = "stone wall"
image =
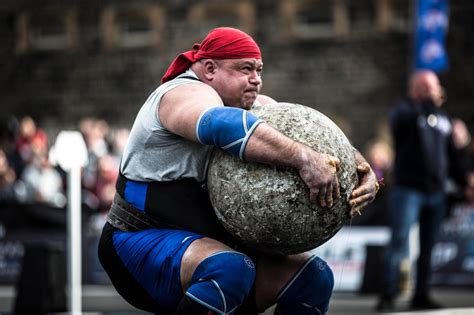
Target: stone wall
[{"x": 63, "y": 60}]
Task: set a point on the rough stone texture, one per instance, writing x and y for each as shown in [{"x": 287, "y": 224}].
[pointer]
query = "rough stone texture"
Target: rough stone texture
[{"x": 268, "y": 207}]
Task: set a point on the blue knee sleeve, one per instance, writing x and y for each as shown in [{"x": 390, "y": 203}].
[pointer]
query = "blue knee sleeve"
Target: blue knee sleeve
[
  {"x": 228, "y": 128},
  {"x": 222, "y": 281},
  {"x": 309, "y": 290}
]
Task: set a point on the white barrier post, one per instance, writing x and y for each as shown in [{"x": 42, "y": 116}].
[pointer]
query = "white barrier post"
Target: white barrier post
[{"x": 70, "y": 153}]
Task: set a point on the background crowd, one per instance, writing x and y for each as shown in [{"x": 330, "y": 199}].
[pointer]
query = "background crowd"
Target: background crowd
[{"x": 28, "y": 177}]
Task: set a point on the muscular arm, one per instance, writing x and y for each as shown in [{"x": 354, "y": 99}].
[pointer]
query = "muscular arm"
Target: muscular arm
[{"x": 181, "y": 108}]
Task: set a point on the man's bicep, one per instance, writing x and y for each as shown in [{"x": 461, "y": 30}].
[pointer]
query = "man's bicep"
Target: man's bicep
[{"x": 181, "y": 108}]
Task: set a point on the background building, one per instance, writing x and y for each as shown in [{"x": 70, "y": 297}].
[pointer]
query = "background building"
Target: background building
[{"x": 63, "y": 60}]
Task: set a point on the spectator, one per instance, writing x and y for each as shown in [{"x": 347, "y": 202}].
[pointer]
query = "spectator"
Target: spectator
[
  {"x": 469, "y": 191},
  {"x": 30, "y": 134},
  {"x": 424, "y": 151},
  {"x": 380, "y": 157},
  {"x": 42, "y": 182},
  {"x": 7, "y": 179},
  {"x": 461, "y": 136},
  {"x": 94, "y": 132},
  {"x": 459, "y": 165},
  {"x": 107, "y": 173},
  {"x": 9, "y": 131},
  {"x": 119, "y": 141}
]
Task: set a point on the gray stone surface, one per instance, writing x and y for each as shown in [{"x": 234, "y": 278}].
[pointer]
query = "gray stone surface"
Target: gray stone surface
[{"x": 268, "y": 207}]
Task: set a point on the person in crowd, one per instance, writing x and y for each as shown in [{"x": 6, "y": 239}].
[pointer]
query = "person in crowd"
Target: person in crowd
[
  {"x": 9, "y": 132},
  {"x": 41, "y": 181},
  {"x": 29, "y": 135},
  {"x": 104, "y": 188},
  {"x": 162, "y": 246},
  {"x": 380, "y": 157},
  {"x": 459, "y": 166},
  {"x": 425, "y": 157},
  {"x": 7, "y": 179},
  {"x": 94, "y": 131},
  {"x": 119, "y": 141},
  {"x": 469, "y": 191}
]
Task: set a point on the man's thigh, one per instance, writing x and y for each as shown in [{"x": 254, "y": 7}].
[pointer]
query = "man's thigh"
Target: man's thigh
[{"x": 153, "y": 257}]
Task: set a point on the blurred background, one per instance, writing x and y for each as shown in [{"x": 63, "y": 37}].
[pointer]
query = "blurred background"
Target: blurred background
[{"x": 89, "y": 66}]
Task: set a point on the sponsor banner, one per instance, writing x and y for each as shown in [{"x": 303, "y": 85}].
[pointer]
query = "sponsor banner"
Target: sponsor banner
[
  {"x": 453, "y": 255},
  {"x": 431, "y": 24}
]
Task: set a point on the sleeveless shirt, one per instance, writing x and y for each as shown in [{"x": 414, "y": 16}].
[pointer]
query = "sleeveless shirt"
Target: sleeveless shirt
[{"x": 155, "y": 154}]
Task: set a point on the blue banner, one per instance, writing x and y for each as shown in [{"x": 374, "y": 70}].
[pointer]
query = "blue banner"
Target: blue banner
[{"x": 431, "y": 27}]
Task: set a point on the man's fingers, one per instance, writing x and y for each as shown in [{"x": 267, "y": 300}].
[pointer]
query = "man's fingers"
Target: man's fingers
[
  {"x": 363, "y": 167},
  {"x": 357, "y": 204},
  {"x": 353, "y": 202},
  {"x": 336, "y": 163},
  {"x": 329, "y": 192},
  {"x": 322, "y": 196},
  {"x": 358, "y": 209},
  {"x": 313, "y": 195},
  {"x": 336, "y": 191},
  {"x": 361, "y": 190}
]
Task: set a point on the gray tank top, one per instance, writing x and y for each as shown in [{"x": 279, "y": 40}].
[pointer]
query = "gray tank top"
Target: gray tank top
[{"x": 153, "y": 153}]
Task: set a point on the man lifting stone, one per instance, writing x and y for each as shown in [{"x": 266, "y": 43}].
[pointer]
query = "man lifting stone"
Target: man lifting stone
[{"x": 163, "y": 247}]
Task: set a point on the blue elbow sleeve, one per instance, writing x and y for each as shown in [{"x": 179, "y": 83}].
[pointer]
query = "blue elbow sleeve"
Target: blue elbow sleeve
[{"x": 228, "y": 128}]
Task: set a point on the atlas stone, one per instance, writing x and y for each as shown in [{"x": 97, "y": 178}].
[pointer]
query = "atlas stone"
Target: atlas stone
[{"x": 268, "y": 207}]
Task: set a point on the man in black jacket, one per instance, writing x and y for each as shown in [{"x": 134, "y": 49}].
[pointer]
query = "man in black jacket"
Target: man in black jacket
[{"x": 425, "y": 157}]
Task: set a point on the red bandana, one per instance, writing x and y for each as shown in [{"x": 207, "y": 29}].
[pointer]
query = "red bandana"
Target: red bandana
[{"x": 220, "y": 43}]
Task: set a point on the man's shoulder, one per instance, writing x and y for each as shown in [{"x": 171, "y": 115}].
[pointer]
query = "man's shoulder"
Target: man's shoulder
[
  {"x": 403, "y": 105},
  {"x": 188, "y": 96},
  {"x": 403, "y": 110},
  {"x": 404, "y": 102},
  {"x": 192, "y": 90}
]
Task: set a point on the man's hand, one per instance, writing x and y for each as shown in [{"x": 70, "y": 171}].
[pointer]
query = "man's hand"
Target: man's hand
[
  {"x": 366, "y": 191},
  {"x": 319, "y": 173}
]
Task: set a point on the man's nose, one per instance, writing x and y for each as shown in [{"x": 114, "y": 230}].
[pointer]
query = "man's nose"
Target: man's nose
[{"x": 255, "y": 78}]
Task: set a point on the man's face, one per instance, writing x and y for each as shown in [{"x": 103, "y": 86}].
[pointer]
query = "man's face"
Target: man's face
[
  {"x": 425, "y": 85},
  {"x": 238, "y": 81}
]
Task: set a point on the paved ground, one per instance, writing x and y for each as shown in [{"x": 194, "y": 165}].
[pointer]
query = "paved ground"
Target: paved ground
[
  {"x": 456, "y": 302},
  {"x": 103, "y": 300}
]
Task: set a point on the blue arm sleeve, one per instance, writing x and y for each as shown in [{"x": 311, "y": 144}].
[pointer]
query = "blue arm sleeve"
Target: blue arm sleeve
[{"x": 228, "y": 128}]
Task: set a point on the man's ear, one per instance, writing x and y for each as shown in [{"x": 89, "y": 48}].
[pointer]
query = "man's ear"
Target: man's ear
[{"x": 209, "y": 68}]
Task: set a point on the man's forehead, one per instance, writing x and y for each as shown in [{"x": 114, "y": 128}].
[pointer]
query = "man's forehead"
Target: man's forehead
[{"x": 252, "y": 61}]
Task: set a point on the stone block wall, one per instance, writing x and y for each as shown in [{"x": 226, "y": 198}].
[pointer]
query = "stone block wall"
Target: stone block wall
[{"x": 63, "y": 60}]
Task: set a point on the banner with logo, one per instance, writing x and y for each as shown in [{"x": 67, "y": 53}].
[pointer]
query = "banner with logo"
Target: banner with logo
[
  {"x": 453, "y": 254},
  {"x": 431, "y": 24}
]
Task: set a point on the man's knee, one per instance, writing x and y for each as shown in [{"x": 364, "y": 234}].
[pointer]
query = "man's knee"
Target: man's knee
[
  {"x": 309, "y": 291},
  {"x": 222, "y": 281}
]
